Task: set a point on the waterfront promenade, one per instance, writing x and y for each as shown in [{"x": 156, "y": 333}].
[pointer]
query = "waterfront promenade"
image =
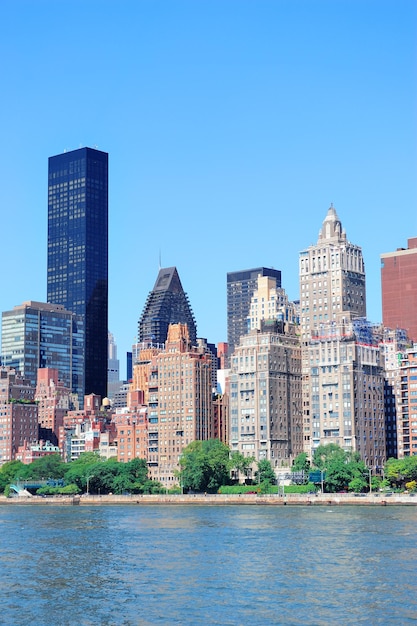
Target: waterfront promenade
[{"x": 326, "y": 499}]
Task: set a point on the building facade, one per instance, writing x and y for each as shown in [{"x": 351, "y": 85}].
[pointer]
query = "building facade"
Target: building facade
[
  {"x": 166, "y": 304},
  {"x": 18, "y": 413},
  {"x": 399, "y": 289},
  {"x": 265, "y": 409},
  {"x": 346, "y": 389},
  {"x": 407, "y": 418},
  {"x": 54, "y": 401},
  {"x": 240, "y": 288},
  {"x": 332, "y": 282},
  {"x": 113, "y": 368},
  {"x": 78, "y": 251},
  {"x": 177, "y": 386},
  {"x": 394, "y": 345},
  {"x": 42, "y": 335}
]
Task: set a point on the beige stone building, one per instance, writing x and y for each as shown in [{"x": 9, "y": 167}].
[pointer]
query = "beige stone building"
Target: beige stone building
[
  {"x": 265, "y": 410},
  {"x": 346, "y": 389},
  {"x": 332, "y": 282}
]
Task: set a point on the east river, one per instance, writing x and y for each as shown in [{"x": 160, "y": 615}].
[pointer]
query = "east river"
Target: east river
[{"x": 192, "y": 565}]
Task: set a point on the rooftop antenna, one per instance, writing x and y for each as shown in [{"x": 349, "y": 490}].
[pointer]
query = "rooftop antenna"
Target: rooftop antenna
[{"x": 160, "y": 265}]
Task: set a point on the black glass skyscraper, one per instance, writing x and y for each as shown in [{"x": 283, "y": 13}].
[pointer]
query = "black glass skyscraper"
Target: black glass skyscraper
[
  {"x": 166, "y": 304},
  {"x": 78, "y": 251}
]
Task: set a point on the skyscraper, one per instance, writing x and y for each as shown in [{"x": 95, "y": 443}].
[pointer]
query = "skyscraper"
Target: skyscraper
[
  {"x": 399, "y": 289},
  {"x": 42, "y": 335},
  {"x": 78, "y": 251},
  {"x": 332, "y": 277},
  {"x": 240, "y": 289},
  {"x": 332, "y": 287},
  {"x": 166, "y": 304}
]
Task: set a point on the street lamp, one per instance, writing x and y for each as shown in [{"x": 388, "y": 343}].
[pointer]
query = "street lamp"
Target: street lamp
[
  {"x": 370, "y": 479},
  {"x": 88, "y": 484}
]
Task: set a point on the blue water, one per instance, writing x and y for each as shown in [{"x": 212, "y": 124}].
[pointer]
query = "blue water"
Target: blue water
[{"x": 191, "y": 565}]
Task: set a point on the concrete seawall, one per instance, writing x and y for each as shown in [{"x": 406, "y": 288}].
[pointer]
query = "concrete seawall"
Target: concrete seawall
[{"x": 326, "y": 499}]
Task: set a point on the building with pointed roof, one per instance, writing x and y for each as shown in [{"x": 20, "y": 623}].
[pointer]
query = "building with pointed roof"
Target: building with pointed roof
[
  {"x": 332, "y": 277},
  {"x": 332, "y": 291},
  {"x": 166, "y": 304}
]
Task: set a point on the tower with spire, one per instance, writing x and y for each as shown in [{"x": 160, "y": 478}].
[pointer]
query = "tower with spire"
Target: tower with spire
[
  {"x": 332, "y": 277},
  {"x": 332, "y": 316}
]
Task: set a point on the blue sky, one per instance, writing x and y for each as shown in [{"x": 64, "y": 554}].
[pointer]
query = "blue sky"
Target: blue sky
[{"x": 231, "y": 126}]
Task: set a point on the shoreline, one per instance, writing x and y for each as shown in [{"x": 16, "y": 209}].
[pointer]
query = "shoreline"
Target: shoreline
[{"x": 326, "y": 499}]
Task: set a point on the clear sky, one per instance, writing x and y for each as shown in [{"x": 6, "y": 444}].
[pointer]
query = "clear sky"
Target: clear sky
[{"x": 231, "y": 126}]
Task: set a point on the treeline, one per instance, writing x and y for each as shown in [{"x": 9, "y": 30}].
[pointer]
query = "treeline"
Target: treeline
[
  {"x": 209, "y": 466},
  {"x": 87, "y": 473}
]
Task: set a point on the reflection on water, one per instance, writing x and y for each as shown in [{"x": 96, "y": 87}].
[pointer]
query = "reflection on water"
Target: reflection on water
[{"x": 236, "y": 565}]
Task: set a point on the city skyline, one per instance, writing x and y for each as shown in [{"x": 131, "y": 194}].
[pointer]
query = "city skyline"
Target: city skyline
[{"x": 230, "y": 131}]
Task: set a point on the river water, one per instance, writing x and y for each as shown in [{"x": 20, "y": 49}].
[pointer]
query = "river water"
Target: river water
[{"x": 190, "y": 565}]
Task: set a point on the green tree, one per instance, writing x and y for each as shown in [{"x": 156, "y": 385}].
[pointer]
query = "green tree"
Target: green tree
[
  {"x": 241, "y": 464},
  {"x": 82, "y": 468},
  {"x": 50, "y": 466},
  {"x": 358, "y": 484},
  {"x": 131, "y": 476},
  {"x": 400, "y": 471},
  {"x": 301, "y": 463},
  {"x": 340, "y": 467},
  {"x": 204, "y": 465},
  {"x": 9, "y": 472},
  {"x": 265, "y": 473}
]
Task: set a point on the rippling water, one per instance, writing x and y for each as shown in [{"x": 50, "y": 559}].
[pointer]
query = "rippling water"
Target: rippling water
[{"x": 190, "y": 565}]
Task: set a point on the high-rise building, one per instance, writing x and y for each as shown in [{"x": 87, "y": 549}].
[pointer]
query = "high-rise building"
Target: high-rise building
[
  {"x": 265, "y": 410},
  {"x": 180, "y": 405},
  {"x": 346, "y": 381},
  {"x": 394, "y": 344},
  {"x": 42, "y": 335},
  {"x": 270, "y": 302},
  {"x": 166, "y": 304},
  {"x": 240, "y": 288},
  {"x": 407, "y": 417},
  {"x": 113, "y": 369},
  {"x": 332, "y": 277},
  {"x": 78, "y": 251},
  {"x": 332, "y": 283},
  {"x": 399, "y": 288},
  {"x": 177, "y": 386}
]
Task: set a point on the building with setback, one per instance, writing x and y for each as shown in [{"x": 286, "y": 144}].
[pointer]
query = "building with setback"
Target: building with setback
[
  {"x": 265, "y": 409},
  {"x": 240, "y": 288},
  {"x": 166, "y": 304},
  {"x": 332, "y": 282},
  {"x": 177, "y": 386},
  {"x": 78, "y": 251},
  {"x": 346, "y": 381}
]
